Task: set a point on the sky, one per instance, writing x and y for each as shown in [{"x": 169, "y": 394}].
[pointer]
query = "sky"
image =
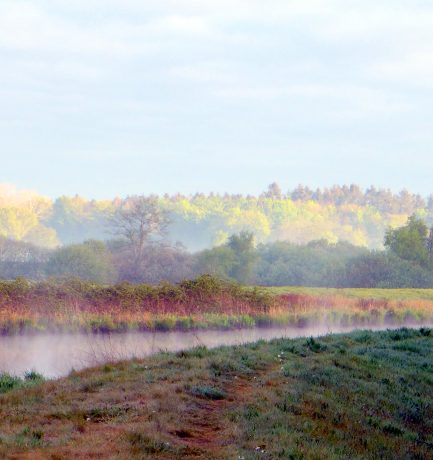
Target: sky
[{"x": 115, "y": 97}]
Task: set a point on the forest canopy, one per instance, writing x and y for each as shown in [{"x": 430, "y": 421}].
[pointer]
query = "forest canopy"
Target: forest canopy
[
  {"x": 337, "y": 237},
  {"x": 335, "y": 214}
]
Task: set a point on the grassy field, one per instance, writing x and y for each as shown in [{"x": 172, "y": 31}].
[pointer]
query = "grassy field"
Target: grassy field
[
  {"x": 357, "y": 293},
  {"x": 206, "y": 302},
  {"x": 361, "y": 395}
]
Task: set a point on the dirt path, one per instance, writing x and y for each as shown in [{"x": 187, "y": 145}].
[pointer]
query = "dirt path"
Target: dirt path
[{"x": 207, "y": 432}]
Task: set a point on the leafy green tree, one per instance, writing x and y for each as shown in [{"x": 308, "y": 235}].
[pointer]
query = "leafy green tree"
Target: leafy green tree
[
  {"x": 243, "y": 248},
  {"x": 76, "y": 219},
  {"x": 16, "y": 222},
  {"x": 410, "y": 242},
  {"x": 382, "y": 269},
  {"x": 217, "y": 261},
  {"x": 90, "y": 260},
  {"x": 236, "y": 259},
  {"x": 317, "y": 263}
]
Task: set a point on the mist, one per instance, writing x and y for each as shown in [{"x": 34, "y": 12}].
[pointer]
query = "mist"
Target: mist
[{"x": 56, "y": 355}]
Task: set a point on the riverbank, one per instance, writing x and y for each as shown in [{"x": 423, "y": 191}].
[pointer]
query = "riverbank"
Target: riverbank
[
  {"x": 359, "y": 395},
  {"x": 204, "y": 303}
]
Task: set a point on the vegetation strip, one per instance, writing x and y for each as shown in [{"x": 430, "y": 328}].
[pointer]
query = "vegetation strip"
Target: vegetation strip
[
  {"x": 143, "y": 252},
  {"x": 205, "y": 302}
]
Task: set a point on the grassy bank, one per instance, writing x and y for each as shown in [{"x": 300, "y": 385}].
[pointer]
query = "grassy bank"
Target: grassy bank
[
  {"x": 361, "y": 395},
  {"x": 206, "y": 302},
  {"x": 356, "y": 293}
]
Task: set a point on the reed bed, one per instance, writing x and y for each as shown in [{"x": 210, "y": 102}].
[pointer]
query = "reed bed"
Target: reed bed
[{"x": 206, "y": 302}]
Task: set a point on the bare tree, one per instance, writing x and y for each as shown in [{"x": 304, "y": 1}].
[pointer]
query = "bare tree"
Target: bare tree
[{"x": 140, "y": 222}]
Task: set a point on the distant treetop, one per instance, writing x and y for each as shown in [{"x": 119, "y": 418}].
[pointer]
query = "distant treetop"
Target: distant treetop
[{"x": 338, "y": 213}]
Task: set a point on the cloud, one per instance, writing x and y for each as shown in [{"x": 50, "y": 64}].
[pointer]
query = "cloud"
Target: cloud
[
  {"x": 26, "y": 26},
  {"x": 216, "y": 72},
  {"x": 414, "y": 69},
  {"x": 191, "y": 76},
  {"x": 181, "y": 25},
  {"x": 340, "y": 99}
]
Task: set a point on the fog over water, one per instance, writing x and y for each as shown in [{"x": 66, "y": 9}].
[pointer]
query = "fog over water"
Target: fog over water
[{"x": 55, "y": 355}]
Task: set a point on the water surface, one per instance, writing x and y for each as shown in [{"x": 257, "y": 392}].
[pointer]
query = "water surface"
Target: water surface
[{"x": 55, "y": 355}]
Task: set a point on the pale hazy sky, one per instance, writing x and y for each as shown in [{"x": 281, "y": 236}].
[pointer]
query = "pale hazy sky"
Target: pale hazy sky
[{"x": 105, "y": 97}]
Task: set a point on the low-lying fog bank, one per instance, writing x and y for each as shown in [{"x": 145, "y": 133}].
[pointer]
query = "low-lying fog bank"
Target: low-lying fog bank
[{"x": 55, "y": 355}]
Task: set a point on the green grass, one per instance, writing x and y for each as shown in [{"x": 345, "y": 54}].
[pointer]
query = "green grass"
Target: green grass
[
  {"x": 362, "y": 395},
  {"x": 10, "y": 382},
  {"x": 358, "y": 293}
]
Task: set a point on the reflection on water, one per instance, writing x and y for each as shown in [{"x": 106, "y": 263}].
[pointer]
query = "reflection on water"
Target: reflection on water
[{"x": 54, "y": 355}]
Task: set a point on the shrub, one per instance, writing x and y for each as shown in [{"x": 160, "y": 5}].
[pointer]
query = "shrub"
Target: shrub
[
  {"x": 208, "y": 392},
  {"x": 315, "y": 345},
  {"x": 9, "y": 382}
]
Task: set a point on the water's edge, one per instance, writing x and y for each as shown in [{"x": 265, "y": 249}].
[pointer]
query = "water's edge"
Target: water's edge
[{"x": 55, "y": 355}]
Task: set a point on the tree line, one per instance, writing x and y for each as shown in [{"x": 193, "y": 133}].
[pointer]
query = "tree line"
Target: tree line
[
  {"x": 200, "y": 221},
  {"x": 139, "y": 251}
]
